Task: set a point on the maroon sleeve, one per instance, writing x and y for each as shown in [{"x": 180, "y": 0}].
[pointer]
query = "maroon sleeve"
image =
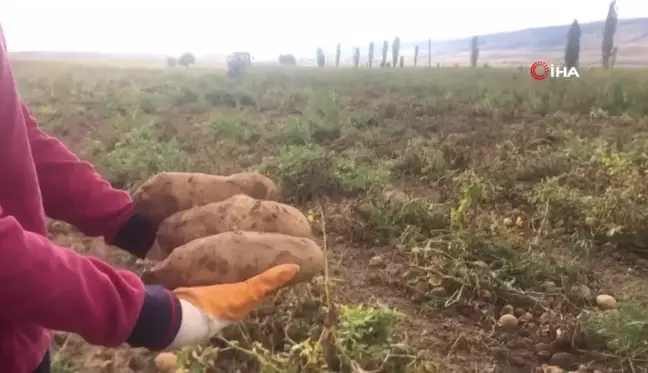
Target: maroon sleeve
[
  {"x": 60, "y": 289},
  {"x": 74, "y": 192}
]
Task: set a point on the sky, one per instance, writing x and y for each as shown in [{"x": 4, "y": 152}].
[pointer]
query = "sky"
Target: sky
[{"x": 272, "y": 27}]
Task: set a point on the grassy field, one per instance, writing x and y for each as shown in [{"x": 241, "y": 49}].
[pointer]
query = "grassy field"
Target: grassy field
[{"x": 444, "y": 198}]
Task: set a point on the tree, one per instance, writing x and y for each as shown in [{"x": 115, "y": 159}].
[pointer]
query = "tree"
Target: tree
[
  {"x": 338, "y": 55},
  {"x": 172, "y": 62},
  {"x": 474, "y": 52},
  {"x": 572, "y": 49},
  {"x": 356, "y": 58},
  {"x": 401, "y": 62},
  {"x": 370, "y": 55},
  {"x": 416, "y": 52},
  {"x": 321, "y": 58},
  {"x": 384, "y": 54},
  {"x": 186, "y": 59},
  {"x": 395, "y": 50},
  {"x": 608, "y": 51},
  {"x": 614, "y": 56},
  {"x": 287, "y": 60},
  {"x": 430, "y": 52}
]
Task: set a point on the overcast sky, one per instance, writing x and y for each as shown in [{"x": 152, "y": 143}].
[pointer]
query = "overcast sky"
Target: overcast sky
[{"x": 272, "y": 27}]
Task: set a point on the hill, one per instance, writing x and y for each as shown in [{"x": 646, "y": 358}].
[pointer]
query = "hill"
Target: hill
[{"x": 545, "y": 43}]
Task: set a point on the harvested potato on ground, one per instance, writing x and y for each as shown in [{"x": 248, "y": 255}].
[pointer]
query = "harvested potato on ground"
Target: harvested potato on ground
[
  {"x": 169, "y": 192},
  {"x": 238, "y": 213},
  {"x": 233, "y": 257}
]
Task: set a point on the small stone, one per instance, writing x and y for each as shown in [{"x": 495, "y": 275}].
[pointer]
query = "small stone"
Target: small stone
[
  {"x": 486, "y": 295},
  {"x": 583, "y": 292},
  {"x": 526, "y": 317},
  {"x": 480, "y": 264},
  {"x": 508, "y": 321},
  {"x": 548, "y": 286},
  {"x": 376, "y": 262},
  {"x": 166, "y": 362},
  {"x": 438, "y": 291},
  {"x": 590, "y": 221},
  {"x": 519, "y": 312},
  {"x": 606, "y": 302},
  {"x": 553, "y": 369},
  {"x": 507, "y": 310},
  {"x": 508, "y": 222},
  {"x": 544, "y": 355}
]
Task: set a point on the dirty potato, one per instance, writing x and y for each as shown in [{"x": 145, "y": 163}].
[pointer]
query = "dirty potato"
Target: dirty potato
[
  {"x": 240, "y": 212},
  {"x": 169, "y": 192},
  {"x": 233, "y": 257}
]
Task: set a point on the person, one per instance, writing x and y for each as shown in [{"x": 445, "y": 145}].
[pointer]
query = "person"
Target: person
[{"x": 47, "y": 287}]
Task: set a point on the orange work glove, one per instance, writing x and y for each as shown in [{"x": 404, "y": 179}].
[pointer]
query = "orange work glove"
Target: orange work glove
[{"x": 206, "y": 310}]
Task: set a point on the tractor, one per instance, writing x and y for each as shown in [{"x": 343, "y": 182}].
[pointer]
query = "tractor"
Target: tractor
[{"x": 237, "y": 62}]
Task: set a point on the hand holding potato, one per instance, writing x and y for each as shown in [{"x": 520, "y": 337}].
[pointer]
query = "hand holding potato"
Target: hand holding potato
[{"x": 209, "y": 309}]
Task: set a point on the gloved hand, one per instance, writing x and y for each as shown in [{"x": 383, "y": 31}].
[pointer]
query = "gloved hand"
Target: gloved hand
[{"x": 206, "y": 310}]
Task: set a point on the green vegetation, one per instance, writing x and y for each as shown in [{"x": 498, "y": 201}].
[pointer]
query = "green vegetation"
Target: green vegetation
[{"x": 446, "y": 196}]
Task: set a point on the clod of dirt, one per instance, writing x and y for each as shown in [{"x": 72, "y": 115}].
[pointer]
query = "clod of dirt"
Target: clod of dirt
[
  {"x": 548, "y": 286},
  {"x": 480, "y": 264},
  {"x": 526, "y": 317},
  {"x": 606, "y": 302},
  {"x": 590, "y": 221},
  {"x": 508, "y": 321},
  {"x": 564, "y": 360},
  {"x": 582, "y": 292},
  {"x": 543, "y": 347},
  {"x": 485, "y": 295},
  {"x": 394, "y": 195},
  {"x": 166, "y": 362},
  {"x": 507, "y": 310},
  {"x": 508, "y": 222},
  {"x": 377, "y": 262},
  {"x": 549, "y": 369}
]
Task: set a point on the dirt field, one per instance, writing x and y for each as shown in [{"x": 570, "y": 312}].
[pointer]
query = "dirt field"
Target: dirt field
[{"x": 444, "y": 198}]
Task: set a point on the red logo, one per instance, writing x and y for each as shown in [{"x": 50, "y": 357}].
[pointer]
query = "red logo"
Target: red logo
[{"x": 539, "y": 70}]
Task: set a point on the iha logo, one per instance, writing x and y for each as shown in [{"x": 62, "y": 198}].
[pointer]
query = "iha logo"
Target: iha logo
[{"x": 541, "y": 70}]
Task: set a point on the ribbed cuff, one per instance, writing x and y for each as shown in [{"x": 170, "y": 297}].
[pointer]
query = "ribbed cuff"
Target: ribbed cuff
[
  {"x": 136, "y": 236},
  {"x": 159, "y": 320}
]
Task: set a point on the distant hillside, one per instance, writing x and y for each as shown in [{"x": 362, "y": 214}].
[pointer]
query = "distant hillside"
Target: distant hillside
[
  {"x": 545, "y": 43},
  {"x": 505, "y": 48}
]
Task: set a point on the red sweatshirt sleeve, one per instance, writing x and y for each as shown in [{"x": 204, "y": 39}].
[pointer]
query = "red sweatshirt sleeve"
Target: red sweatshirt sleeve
[
  {"x": 60, "y": 289},
  {"x": 55, "y": 287},
  {"x": 74, "y": 192}
]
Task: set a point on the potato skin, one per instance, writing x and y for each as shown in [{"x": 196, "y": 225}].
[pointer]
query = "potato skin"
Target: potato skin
[
  {"x": 169, "y": 192},
  {"x": 234, "y": 257},
  {"x": 240, "y": 212}
]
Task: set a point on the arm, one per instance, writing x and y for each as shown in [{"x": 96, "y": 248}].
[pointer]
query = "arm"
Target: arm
[
  {"x": 59, "y": 289},
  {"x": 56, "y": 287},
  {"x": 74, "y": 192}
]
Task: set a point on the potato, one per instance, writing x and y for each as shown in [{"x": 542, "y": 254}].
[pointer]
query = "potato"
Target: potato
[
  {"x": 240, "y": 212},
  {"x": 169, "y": 192},
  {"x": 233, "y": 257}
]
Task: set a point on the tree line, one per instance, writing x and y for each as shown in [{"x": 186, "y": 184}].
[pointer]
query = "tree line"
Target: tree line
[{"x": 571, "y": 58}]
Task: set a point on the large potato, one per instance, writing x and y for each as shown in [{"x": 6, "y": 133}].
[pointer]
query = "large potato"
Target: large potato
[
  {"x": 237, "y": 213},
  {"x": 169, "y": 192},
  {"x": 233, "y": 257}
]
